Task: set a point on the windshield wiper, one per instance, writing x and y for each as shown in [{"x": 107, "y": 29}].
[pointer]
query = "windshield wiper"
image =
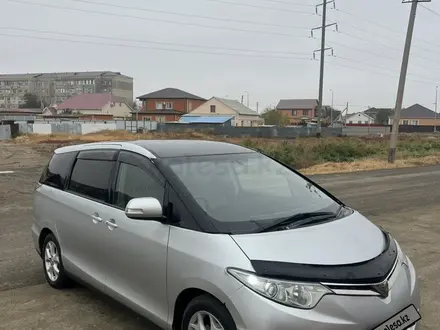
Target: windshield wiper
[{"x": 300, "y": 219}]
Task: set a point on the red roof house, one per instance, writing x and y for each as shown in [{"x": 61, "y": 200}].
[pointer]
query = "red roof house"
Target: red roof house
[{"x": 100, "y": 104}]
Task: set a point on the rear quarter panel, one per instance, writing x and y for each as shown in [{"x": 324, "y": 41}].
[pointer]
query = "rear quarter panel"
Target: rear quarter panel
[{"x": 45, "y": 210}]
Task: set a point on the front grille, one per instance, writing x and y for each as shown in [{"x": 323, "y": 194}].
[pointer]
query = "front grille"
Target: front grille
[{"x": 367, "y": 289}]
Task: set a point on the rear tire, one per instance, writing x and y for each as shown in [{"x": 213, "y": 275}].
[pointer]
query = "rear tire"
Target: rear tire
[
  {"x": 53, "y": 265},
  {"x": 208, "y": 310}
]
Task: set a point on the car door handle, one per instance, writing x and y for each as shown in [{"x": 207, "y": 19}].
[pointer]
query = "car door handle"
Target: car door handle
[
  {"x": 111, "y": 224},
  {"x": 96, "y": 218}
]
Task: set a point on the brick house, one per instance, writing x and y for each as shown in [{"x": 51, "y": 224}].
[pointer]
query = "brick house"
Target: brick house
[
  {"x": 167, "y": 105},
  {"x": 298, "y": 110},
  {"x": 417, "y": 115}
]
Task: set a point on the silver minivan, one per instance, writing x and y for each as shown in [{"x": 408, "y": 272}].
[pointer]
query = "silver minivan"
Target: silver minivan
[{"x": 202, "y": 235}]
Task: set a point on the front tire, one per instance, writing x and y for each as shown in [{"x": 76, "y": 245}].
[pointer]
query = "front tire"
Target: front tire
[
  {"x": 53, "y": 264},
  {"x": 207, "y": 313}
]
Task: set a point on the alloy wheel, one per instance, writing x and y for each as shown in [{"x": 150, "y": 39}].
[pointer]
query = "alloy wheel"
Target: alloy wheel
[
  {"x": 52, "y": 261},
  {"x": 204, "y": 321}
]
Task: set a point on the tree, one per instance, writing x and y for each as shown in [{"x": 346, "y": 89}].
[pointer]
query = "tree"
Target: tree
[
  {"x": 31, "y": 101},
  {"x": 382, "y": 116},
  {"x": 135, "y": 106},
  {"x": 272, "y": 116},
  {"x": 327, "y": 113}
]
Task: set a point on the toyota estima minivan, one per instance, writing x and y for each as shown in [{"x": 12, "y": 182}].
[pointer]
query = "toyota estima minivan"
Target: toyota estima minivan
[{"x": 214, "y": 236}]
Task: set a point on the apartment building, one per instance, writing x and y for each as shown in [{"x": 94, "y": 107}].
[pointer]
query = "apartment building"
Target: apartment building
[{"x": 54, "y": 88}]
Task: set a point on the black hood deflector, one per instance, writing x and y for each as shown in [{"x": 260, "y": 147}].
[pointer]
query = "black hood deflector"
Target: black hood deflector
[{"x": 368, "y": 272}]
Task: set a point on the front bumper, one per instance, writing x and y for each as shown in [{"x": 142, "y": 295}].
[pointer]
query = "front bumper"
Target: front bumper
[{"x": 334, "y": 312}]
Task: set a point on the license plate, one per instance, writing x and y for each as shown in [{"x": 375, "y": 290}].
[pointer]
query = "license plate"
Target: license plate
[{"x": 403, "y": 320}]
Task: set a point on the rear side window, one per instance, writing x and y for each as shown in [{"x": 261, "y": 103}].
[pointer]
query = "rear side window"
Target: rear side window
[
  {"x": 91, "y": 178},
  {"x": 58, "y": 170}
]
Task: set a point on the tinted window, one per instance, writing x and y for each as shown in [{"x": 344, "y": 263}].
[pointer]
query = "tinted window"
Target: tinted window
[
  {"x": 91, "y": 178},
  {"x": 133, "y": 182},
  {"x": 243, "y": 192},
  {"x": 58, "y": 170}
]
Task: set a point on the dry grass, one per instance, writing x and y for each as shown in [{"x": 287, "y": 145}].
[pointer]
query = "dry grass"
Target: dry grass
[
  {"x": 118, "y": 135},
  {"x": 310, "y": 155},
  {"x": 370, "y": 164}
]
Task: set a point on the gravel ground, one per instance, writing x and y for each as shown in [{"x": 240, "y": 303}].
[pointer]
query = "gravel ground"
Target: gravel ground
[{"x": 404, "y": 201}]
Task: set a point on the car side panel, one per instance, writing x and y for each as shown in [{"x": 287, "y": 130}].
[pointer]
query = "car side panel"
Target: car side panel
[
  {"x": 79, "y": 237},
  {"x": 199, "y": 260},
  {"x": 135, "y": 257}
]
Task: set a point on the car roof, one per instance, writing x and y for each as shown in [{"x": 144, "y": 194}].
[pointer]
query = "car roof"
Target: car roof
[{"x": 164, "y": 148}]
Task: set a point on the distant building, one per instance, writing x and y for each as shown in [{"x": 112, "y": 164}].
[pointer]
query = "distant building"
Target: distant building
[
  {"x": 19, "y": 114},
  {"x": 168, "y": 105},
  {"x": 298, "y": 110},
  {"x": 98, "y": 106},
  {"x": 216, "y": 106},
  {"x": 417, "y": 115},
  {"x": 52, "y": 88},
  {"x": 206, "y": 120},
  {"x": 359, "y": 118}
]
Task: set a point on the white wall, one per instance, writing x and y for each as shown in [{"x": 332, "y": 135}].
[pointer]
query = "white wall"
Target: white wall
[
  {"x": 92, "y": 128},
  {"x": 119, "y": 109},
  {"x": 42, "y": 128}
]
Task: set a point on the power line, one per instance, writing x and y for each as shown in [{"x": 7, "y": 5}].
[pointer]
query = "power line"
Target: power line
[
  {"x": 261, "y": 7},
  {"x": 384, "y": 56},
  {"x": 368, "y": 21},
  {"x": 151, "y": 42},
  {"x": 384, "y": 68},
  {"x": 384, "y": 26},
  {"x": 388, "y": 37},
  {"x": 387, "y": 47},
  {"x": 185, "y": 15},
  {"x": 430, "y": 10},
  {"x": 377, "y": 73},
  {"x": 155, "y": 19},
  {"x": 154, "y": 48}
]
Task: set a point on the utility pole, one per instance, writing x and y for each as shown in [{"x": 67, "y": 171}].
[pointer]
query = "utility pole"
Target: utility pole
[
  {"x": 402, "y": 79},
  {"x": 257, "y": 106},
  {"x": 331, "y": 110},
  {"x": 242, "y": 99},
  {"x": 436, "y": 103},
  {"x": 322, "y": 50}
]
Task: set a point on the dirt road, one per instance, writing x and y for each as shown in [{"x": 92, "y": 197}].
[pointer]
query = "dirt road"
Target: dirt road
[{"x": 404, "y": 201}]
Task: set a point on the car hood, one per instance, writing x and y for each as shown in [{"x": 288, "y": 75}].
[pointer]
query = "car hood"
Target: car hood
[{"x": 349, "y": 240}]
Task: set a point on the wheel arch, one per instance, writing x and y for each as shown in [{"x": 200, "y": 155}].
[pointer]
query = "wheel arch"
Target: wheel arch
[
  {"x": 43, "y": 234},
  {"x": 182, "y": 301}
]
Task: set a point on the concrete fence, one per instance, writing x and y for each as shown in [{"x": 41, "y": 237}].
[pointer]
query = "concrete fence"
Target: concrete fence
[
  {"x": 5, "y": 132},
  {"x": 85, "y": 127},
  {"x": 78, "y": 128},
  {"x": 365, "y": 130}
]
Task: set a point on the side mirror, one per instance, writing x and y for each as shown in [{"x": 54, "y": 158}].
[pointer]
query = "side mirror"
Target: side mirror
[{"x": 145, "y": 208}]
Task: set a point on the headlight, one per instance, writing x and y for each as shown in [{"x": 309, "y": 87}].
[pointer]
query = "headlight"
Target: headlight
[{"x": 295, "y": 294}]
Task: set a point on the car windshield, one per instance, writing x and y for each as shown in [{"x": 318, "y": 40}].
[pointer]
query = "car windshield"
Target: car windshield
[{"x": 246, "y": 192}]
